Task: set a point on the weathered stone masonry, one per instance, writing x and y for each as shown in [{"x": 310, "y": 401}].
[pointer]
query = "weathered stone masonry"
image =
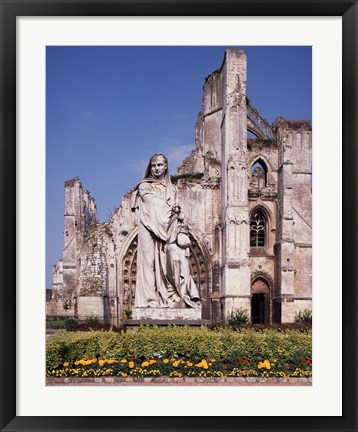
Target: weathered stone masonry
[{"x": 248, "y": 203}]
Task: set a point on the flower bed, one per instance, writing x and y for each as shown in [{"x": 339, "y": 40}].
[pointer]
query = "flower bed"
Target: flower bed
[
  {"x": 180, "y": 367},
  {"x": 179, "y": 352}
]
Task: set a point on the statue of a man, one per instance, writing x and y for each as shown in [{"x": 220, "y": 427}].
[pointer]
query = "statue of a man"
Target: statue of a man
[{"x": 163, "y": 278}]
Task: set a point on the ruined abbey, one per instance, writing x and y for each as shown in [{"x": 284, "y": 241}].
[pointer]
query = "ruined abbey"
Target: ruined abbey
[{"x": 248, "y": 202}]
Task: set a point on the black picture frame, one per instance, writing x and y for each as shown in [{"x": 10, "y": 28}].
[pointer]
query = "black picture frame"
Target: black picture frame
[{"x": 10, "y": 9}]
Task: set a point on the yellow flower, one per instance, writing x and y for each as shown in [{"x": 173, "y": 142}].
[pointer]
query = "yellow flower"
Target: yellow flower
[
  {"x": 66, "y": 364},
  {"x": 202, "y": 364},
  {"x": 152, "y": 361},
  {"x": 101, "y": 362},
  {"x": 265, "y": 364},
  {"x": 145, "y": 363},
  {"x": 165, "y": 361},
  {"x": 189, "y": 363},
  {"x": 123, "y": 361},
  {"x": 176, "y": 363},
  {"x": 131, "y": 364}
]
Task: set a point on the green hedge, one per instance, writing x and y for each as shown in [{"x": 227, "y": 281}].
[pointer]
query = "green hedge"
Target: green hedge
[{"x": 191, "y": 343}]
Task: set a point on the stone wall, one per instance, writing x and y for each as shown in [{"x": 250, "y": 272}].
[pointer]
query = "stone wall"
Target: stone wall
[{"x": 187, "y": 381}]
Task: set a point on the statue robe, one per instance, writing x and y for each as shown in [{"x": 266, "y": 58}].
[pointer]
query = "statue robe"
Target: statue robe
[{"x": 163, "y": 277}]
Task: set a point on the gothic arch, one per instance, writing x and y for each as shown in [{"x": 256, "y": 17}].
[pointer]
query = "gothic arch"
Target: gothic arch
[
  {"x": 264, "y": 209},
  {"x": 199, "y": 263},
  {"x": 262, "y": 274},
  {"x": 128, "y": 272},
  {"x": 261, "y": 298},
  {"x": 259, "y": 174},
  {"x": 264, "y": 160}
]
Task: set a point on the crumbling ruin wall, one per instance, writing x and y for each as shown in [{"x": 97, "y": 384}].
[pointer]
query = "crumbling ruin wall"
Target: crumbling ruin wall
[
  {"x": 294, "y": 278},
  {"x": 80, "y": 215}
]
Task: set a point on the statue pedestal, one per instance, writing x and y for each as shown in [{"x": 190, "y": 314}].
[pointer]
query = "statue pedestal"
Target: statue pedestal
[{"x": 166, "y": 314}]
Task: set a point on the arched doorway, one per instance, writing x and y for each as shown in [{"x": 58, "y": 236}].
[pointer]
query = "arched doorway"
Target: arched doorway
[{"x": 260, "y": 301}]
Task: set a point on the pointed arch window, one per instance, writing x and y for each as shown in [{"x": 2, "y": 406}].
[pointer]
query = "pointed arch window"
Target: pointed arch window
[
  {"x": 259, "y": 174},
  {"x": 258, "y": 229}
]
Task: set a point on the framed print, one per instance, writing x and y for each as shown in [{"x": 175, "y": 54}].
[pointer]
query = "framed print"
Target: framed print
[{"x": 30, "y": 30}]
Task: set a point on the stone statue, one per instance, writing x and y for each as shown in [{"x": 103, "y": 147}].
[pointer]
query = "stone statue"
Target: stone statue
[{"x": 163, "y": 278}]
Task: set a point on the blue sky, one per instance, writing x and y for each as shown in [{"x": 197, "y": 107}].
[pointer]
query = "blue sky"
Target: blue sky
[{"x": 108, "y": 109}]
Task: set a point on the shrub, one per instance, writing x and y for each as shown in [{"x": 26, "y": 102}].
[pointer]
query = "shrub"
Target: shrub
[
  {"x": 238, "y": 316},
  {"x": 304, "y": 316},
  {"x": 69, "y": 322},
  {"x": 73, "y": 346},
  {"x": 191, "y": 343},
  {"x": 92, "y": 320},
  {"x": 281, "y": 327},
  {"x": 55, "y": 323}
]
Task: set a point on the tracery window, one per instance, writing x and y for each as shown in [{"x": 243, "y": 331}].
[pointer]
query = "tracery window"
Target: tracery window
[{"x": 257, "y": 229}]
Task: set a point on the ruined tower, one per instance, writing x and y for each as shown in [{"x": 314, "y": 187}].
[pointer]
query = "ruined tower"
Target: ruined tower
[{"x": 235, "y": 270}]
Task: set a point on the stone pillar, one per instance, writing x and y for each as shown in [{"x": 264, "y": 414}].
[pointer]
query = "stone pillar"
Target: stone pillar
[
  {"x": 285, "y": 247},
  {"x": 72, "y": 225},
  {"x": 235, "y": 271}
]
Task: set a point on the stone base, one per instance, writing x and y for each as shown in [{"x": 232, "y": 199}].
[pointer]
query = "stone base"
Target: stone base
[{"x": 165, "y": 314}]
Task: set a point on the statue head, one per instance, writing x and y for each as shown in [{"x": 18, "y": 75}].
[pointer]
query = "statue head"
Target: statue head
[{"x": 157, "y": 167}]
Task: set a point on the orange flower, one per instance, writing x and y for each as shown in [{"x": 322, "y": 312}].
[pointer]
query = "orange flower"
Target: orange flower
[
  {"x": 66, "y": 364},
  {"x": 165, "y": 361},
  {"x": 131, "y": 364},
  {"x": 101, "y": 362}
]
